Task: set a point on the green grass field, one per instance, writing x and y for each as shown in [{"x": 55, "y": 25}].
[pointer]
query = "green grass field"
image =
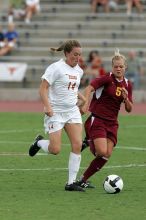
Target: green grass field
[{"x": 33, "y": 188}]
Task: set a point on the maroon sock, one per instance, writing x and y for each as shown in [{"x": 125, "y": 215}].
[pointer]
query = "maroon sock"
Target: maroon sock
[{"x": 94, "y": 167}]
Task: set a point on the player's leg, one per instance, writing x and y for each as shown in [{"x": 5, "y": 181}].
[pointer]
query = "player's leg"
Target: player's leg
[
  {"x": 98, "y": 162},
  {"x": 52, "y": 146},
  {"x": 85, "y": 144},
  {"x": 104, "y": 146},
  {"x": 105, "y": 135},
  {"x": 87, "y": 126},
  {"x": 53, "y": 127},
  {"x": 74, "y": 132},
  {"x": 99, "y": 147}
]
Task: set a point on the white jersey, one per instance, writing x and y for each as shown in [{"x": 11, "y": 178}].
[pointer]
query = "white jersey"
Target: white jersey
[{"x": 64, "y": 81}]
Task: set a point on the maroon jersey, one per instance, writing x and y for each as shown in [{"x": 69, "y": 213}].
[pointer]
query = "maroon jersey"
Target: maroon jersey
[{"x": 107, "y": 97}]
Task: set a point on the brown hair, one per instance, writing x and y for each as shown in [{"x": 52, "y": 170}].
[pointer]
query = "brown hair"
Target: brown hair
[
  {"x": 118, "y": 56},
  {"x": 67, "y": 46}
]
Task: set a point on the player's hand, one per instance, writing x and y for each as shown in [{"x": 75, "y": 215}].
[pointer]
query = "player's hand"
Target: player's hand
[
  {"x": 48, "y": 111},
  {"x": 124, "y": 93},
  {"x": 85, "y": 108},
  {"x": 82, "y": 113}
]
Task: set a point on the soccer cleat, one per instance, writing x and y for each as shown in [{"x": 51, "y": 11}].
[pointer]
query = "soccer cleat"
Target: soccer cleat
[
  {"x": 34, "y": 147},
  {"x": 85, "y": 144},
  {"x": 74, "y": 187},
  {"x": 85, "y": 184}
]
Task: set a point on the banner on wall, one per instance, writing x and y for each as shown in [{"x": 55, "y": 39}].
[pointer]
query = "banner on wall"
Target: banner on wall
[{"x": 12, "y": 72}]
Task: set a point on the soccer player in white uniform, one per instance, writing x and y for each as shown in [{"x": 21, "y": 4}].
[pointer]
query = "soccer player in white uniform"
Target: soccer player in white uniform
[{"x": 59, "y": 94}]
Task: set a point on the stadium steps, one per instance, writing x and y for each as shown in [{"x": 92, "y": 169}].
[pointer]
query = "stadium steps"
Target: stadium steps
[{"x": 60, "y": 21}]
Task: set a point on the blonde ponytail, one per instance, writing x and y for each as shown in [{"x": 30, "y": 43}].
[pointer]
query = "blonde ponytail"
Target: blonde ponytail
[
  {"x": 117, "y": 52},
  {"x": 118, "y": 56}
]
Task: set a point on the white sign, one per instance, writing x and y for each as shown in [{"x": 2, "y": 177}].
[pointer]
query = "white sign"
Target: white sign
[{"x": 11, "y": 72}]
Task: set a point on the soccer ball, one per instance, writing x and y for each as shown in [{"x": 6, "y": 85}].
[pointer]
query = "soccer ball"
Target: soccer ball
[{"x": 113, "y": 184}]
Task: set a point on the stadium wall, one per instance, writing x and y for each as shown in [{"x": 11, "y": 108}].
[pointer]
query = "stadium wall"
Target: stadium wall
[{"x": 33, "y": 95}]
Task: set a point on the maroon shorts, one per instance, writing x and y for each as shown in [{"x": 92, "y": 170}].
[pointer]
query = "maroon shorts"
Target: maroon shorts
[{"x": 100, "y": 128}]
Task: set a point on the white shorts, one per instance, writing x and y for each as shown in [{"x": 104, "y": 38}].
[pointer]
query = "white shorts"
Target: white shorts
[{"x": 58, "y": 120}]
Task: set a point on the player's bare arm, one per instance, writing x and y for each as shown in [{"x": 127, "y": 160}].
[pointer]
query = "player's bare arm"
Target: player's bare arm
[
  {"x": 87, "y": 93},
  {"x": 44, "y": 87},
  {"x": 128, "y": 104},
  {"x": 81, "y": 101},
  {"x": 81, "y": 96}
]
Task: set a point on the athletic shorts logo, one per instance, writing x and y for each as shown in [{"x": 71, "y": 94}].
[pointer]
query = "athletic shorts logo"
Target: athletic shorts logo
[{"x": 51, "y": 126}]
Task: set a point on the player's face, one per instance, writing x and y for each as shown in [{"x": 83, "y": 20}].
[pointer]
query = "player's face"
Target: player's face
[
  {"x": 119, "y": 68},
  {"x": 73, "y": 57}
]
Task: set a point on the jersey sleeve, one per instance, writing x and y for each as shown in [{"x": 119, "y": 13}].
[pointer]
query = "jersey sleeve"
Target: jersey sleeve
[
  {"x": 101, "y": 81},
  {"x": 51, "y": 74}
]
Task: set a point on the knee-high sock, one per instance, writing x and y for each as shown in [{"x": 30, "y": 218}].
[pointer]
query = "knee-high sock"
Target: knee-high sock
[
  {"x": 73, "y": 166},
  {"x": 94, "y": 167},
  {"x": 43, "y": 144}
]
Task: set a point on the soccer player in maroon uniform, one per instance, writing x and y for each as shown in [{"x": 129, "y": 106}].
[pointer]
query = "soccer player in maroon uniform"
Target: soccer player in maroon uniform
[{"x": 102, "y": 125}]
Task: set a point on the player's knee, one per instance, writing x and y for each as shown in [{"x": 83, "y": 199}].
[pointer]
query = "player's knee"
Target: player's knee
[
  {"x": 76, "y": 147},
  {"x": 108, "y": 154},
  {"x": 54, "y": 150},
  {"x": 103, "y": 152}
]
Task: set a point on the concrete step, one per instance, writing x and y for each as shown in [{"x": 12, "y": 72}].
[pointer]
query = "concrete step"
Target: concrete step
[
  {"x": 40, "y": 54},
  {"x": 85, "y": 42},
  {"x": 87, "y": 16},
  {"x": 43, "y": 62},
  {"x": 73, "y": 20},
  {"x": 80, "y": 25},
  {"x": 123, "y": 32}
]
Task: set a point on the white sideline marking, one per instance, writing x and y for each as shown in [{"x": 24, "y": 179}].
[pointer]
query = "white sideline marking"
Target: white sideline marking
[
  {"x": 15, "y": 142},
  {"x": 131, "y": 148},
  {"x": 39, "y": 130},
  {"x": 64, "y": 168},
  {"x": 20, "y": 131},
  {"x": 44, "y": 154},
  {"x": 140, "y": 148}
]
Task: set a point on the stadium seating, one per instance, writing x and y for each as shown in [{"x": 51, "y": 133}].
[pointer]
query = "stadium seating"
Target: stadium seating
[{"x": 61, "y": 20}]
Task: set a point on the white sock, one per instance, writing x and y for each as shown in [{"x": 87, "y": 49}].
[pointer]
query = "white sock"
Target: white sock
[
  {"x": 73, "y": 166},
  {"x": 43, "y": 144}
]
